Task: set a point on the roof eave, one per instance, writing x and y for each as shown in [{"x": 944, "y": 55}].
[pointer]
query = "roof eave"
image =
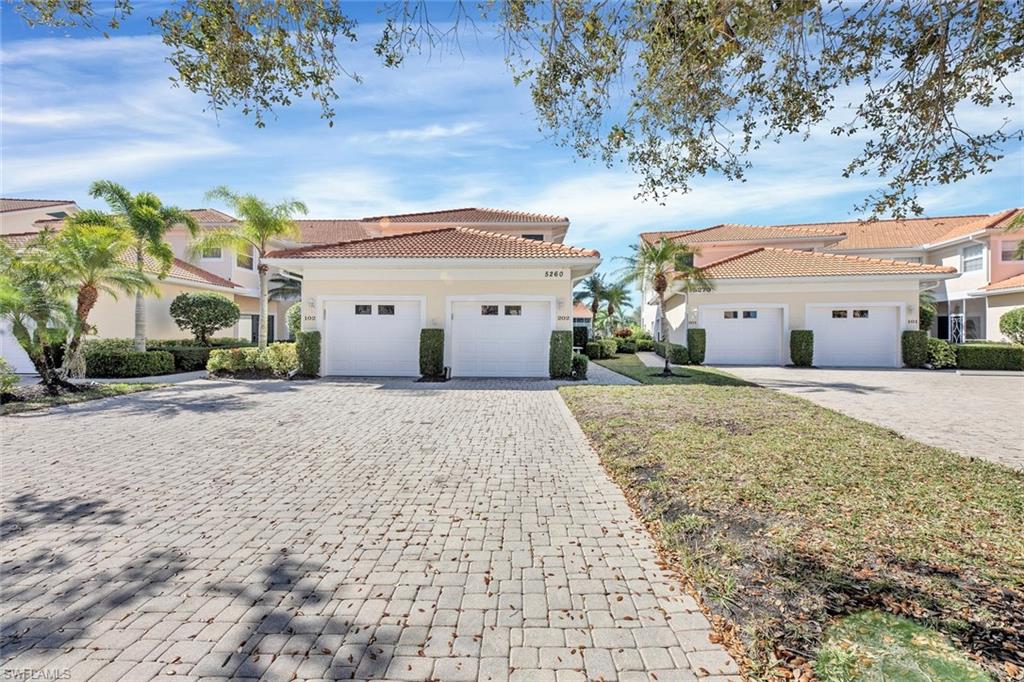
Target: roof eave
[
  {"x": 840, "y": 278},
  {"x": 983, "y": 293},
  {"x": 428, "y": 263}
]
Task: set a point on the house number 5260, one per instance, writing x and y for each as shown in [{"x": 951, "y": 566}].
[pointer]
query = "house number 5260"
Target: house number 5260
[{"x": 556, "y": 274}]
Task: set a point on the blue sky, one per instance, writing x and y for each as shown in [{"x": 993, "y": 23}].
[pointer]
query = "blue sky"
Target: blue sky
[{"x": 443, "y": 131}]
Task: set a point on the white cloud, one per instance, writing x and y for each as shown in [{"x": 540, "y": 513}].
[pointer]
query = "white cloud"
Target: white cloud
[{"x": 423, "y": 134}]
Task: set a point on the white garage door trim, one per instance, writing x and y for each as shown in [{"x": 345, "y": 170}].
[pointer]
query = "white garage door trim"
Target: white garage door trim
[
  {"x": 449, "y": 313},
  {"x": 897, "y": 354},
  {"x": 784, "y": 326},
  {"x": 377, "y": 298}
]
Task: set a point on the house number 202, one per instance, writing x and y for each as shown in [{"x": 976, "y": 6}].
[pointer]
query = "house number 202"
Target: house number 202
[{"x": 556, "y": 274}]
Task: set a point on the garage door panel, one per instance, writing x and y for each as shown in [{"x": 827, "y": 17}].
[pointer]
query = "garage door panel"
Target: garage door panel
[
  {"x": 855, "y": 336},
  {"x": 743, "y": 335},
  {"x": 372, "y": 338},
  {"x": 500, "y": 338}
]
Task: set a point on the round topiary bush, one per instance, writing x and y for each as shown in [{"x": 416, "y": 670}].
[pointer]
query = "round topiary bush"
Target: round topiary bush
[
  {"x": 1011, "y": 324},
  {"x": 203, "y": 313}
]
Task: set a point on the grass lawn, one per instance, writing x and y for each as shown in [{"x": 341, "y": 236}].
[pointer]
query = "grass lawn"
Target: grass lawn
[
  {"x": 38, "y": 401},
  {"x": 631, "y": 366},
  {"x": 789, "y": 517}
]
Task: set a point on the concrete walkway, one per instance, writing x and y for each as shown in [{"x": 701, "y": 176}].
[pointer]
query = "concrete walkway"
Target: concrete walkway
[{"x": 331, "y": 530}]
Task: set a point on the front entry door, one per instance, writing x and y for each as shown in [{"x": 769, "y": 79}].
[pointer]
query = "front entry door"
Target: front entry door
[{"x": 256, "y": 328}]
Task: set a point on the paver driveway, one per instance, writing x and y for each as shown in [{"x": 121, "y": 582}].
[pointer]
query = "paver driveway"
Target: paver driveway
[
  {"x": 327, "y": 530},
  {"x": 974, "y": 415}
]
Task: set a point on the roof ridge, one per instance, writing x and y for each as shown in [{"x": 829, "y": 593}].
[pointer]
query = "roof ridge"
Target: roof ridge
[
  {"x": 524, "y": 240},
  {"x": 505, "y": 211},
  {"x": 381, "y": 237},
  {"x": 859, "y": 259},
  {"x": 860, "y": 221},
  {"x": 791, "y": 227},
  {"x": 55, "y": 201},
  {"x": 738, "y": 255}
]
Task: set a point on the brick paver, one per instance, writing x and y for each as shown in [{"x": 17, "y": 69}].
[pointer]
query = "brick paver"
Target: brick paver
[{"x": 456, "y": 531}]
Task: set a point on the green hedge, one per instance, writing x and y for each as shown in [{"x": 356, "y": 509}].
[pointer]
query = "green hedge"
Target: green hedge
[
  {"x": 1011, "y": 324},
  {"x": 697, "y": 342},
  {"x": 627, "y": 345},
  {"x": 307, "y": 347},
  {"x": 123, "y": 364},
  {"x": 594, "y": 350},
  {"x": 189, "y": 359},
  {"x": 940, "y": 354},
  {"x": 580, "y": 363},
  {"x": 1004, "y": 356},
  {"x": 915, "y": 348},
  {"x": 677, "y": 355},
  {"x": 644, "y": 345},
  {"x": 609, "y": 347},
  {"x": 276, "y": 360},
  {"x": 801, "y": 347},
  {"x": 580, "y": 336},
  {"x": 432, "y": 352},
  {"x": 560, "y": 357}
]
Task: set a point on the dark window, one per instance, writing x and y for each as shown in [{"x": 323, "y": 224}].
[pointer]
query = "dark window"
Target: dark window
[
  {"x": 860, "y": 313},
  {"x": 514, "y": 310},
  {"x": 749, "y": 314},
  {"x": 838, "y": 314},
  {"x": 488, "y": 310},
  {"x": 364, "y": 309},
  {"x": 244, "y": 260},
  {"x": 686, "y": 260},
  {"x": 212, "y": 253},
  {"x": 730, "y": 314},
  {"x": 385, "y": 310},
  {"x": 534, "y": 237}
]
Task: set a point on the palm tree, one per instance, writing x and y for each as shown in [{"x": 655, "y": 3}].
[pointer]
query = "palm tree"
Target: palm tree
[
  {"x": 616, "y": 297},
  {"x": 90, "y": 255},
  {"x": 656, "y": 264},
  {"x": 32, "y": 298},
  {"x": 259, "y": 224},
  {"x": 148, "y": 220},
  {"x": 591, "y": 289},
  {"x": 288, "y": 287}
]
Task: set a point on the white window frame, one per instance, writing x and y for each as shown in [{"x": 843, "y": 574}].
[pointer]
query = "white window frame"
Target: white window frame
[
  {"x": 964, "y": 258},
  {"x": 219, "y": 256},
  {"x": 1007, "y": 248},
  {"x": 252, "y": 257}
]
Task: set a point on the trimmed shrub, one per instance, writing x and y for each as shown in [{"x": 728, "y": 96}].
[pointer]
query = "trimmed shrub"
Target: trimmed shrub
[
  {"x": 697, "y": 342},
  {"x": 203, "y": 313},
  {"x": 293, "y": 320},
  {"x": 940, "y": 354},
  {"x": 593, "y": 350},
  {"x": 560, "y": 357},
  {"x": 678, "y": 355},
  {"x": 643, "y": 334},
  {"x": 124, "y": 364},
  {"x": 609, "y": 347},
  {"x": 1004, "y": 356},
  {"x": 659, "y": 348},
  {"x": 580, "y": 363},
  {"x": 1011, "y": 324},
  {"x": 801, "y": 347},
  {"x": 915, "y": 348},
  {"x": 580, "y": 337},
  {"x": 8, "y": 379},
  {"x": 307, "y": 346},
  {"x": 432, "y": 353},
  {"x": 189, "y": 359},
  {"x": 644, "y": 345},
  {"x": 276, "y": 360},
  {"x": 627, "y": 346}
]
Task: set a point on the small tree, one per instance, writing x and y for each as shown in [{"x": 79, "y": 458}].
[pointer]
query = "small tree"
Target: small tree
[
  {"x": 1012, "y": 325},
  {"x": 203, "y": 313},
  {"x": 293, "y": 320}
]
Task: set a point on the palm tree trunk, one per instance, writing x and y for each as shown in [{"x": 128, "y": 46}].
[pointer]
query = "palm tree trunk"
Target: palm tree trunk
[
  {"x": 264, "y": 307},
  {"x": 87, "y": 297},
  {"x": 664, "y": 332},
  {"x": 140, "y": 307}
]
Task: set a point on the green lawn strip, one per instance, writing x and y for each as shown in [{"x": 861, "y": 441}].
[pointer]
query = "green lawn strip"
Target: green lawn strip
[
  {"x": 94, "y": 393},
  {"x": 788, "y": 515},
  {"x": 631, "y": 366}
]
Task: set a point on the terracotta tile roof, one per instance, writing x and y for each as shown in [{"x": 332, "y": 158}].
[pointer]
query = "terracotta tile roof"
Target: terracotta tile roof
[
  {"x": 655, "y": 237},
  {"x": 210, "y": 215},
  {"x": 448, "y": 242},
  {"x": 179, "y": 268},
  {"x": 1017, "y": 281},
  {"x": 25, "y": 204},
  {"x": 332, "y": 231},
  {"x": 466, "y": 216},
  {"x": 996, "y": 221},
  {"x": 771, "y": 262},
  {"x": 731, "y": 232},
  {"x": 580, "y": 310}
]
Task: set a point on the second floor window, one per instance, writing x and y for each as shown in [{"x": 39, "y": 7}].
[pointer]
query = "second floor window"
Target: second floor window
[
  {"x": 973, "y": 258},
  {"x": 1008, "y": 250},
  {"x": 245, "y": 259},
  {"x": 212, "y": 253}
]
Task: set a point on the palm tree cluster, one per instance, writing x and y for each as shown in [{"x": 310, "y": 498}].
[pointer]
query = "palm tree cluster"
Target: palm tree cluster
[
  {"x": 49, "y": 288},
  {"x": 608, "y": 301}
]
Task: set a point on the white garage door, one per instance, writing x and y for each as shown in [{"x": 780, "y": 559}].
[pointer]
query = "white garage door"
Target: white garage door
[
  {"x": 12, "y": 352},
  {"x": 500, "y": 338},
  {"x": 854, "y": 336},
  {"x": 743, "y": 336},
  {"x": 372, "y": 338}
]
